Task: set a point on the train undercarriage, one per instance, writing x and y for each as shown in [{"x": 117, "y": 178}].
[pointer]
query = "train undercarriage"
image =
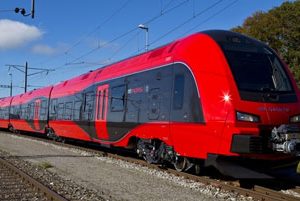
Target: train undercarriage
[{"x": 283, "y": 140}]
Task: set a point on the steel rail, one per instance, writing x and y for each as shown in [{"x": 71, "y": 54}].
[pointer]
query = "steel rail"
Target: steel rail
[
  {"x": 257, "y": 192},
  {"x": 37, "y": 186}
]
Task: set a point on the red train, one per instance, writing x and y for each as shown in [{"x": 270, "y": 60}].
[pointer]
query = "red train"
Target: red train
[{"x": 214, "y": 94}]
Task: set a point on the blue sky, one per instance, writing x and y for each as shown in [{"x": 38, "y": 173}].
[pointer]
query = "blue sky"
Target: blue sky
[{"x": 73, "y": 37}]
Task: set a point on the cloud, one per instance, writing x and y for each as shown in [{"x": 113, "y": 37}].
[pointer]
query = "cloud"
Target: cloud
[
  {"x": 48, "y": 50},
  {"x": 14, "y": 34},
  {"x": 43, "y": 49}
]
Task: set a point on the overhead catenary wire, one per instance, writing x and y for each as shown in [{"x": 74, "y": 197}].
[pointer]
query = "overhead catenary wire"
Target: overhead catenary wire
[
  {"x": 163, "y": 12},
  {"x": 124, "y": 34},
  {"x": 99, "y": 26},
  {"x": 211, "y": 17},
  {"x": 118, "y": 10},
  {"x": 187, "y": 21},
  {"x": 123, "y": 46},
  {"x": 152, "y": 19},
  {"x": 168, "y": 4},
  {"x": 109, "y": 59},
  {"x": 202, "y": 22},
  {"x": 9, "y": 10}
]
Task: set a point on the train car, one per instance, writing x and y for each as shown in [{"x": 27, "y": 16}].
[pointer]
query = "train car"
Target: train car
[
  {"x": 4, "y": 112},
  {"x": 71, "y": 108},
  {"x": 211, "y": 94},
  {"x": 29, "y": 111}
]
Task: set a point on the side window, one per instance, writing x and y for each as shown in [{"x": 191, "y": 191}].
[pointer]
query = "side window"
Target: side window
[
  {"x": 37, "y": 109},
  {"x": 6, "y": 113},
  {"x": 11, "y": 112},
  {"x": 43, "y": 109},
  {"x": 154, "y": 104},
  {"x": 28, "y": 111},
  {"x": 118, "y": 98},
  {"x": 53, "y": 109},
  {"x": 23, "y": 111},
  {"x": 17, "y": 112},
  {"x": 53, "y": 106},
  {"x": 2, "y": 111},
  {"x": 88, "y": 106},
  {"x": 77, "y": 109},
  {"x": 68, "y": 111},
  {"x": 60, "y": 111},
  {"x": 178, "y": 93},
  {"x": 31, "y": 111}
]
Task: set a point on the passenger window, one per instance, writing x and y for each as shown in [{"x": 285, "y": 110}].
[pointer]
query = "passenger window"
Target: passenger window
[
  {"x": 118, "y": 98},
  {"x": 60, "y": 111},
  {"x": 31, "y": 111},
  {"x": 68, "y": 111},
  {"x": 88, "y": 106},
  {"x": 53, "y": 106},
  {"x": 23, "y": 111},
  {"x": 77, "y": 109},
  {"x": 178, "y": 93},
  {"x": 154, "y": 104},
  {"x": 43, "y": 108}
]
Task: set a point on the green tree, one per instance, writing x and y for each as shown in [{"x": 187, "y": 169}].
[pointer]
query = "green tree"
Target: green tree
[{"x": 280, "y": 29}]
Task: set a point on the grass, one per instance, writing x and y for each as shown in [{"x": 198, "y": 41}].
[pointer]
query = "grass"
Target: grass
[{"x": 45, "y": 165}]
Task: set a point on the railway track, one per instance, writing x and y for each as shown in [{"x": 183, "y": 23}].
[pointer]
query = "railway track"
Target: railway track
[
  {"x": 17, "y": 185},
  {"x": 257, "y": 192}
]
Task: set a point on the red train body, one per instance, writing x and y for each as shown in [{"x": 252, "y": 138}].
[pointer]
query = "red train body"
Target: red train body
[
  {"x": 212, "y": 93},
  {"x": 4, "y": 111}
]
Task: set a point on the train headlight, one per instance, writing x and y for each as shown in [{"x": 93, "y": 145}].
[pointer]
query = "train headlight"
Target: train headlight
[
  {"x": 247, "y": 117},
  {"x": 295, "y": 119}
]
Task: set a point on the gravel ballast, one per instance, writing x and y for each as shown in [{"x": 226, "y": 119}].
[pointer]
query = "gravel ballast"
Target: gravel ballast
[{"x": 85, "y": 176}]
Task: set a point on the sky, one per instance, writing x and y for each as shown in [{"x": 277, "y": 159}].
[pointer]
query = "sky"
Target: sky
[{"x": 70, "y": 37}]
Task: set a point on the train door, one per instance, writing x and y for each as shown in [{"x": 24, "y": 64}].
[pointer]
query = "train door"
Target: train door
[
  {"x": 101, "y": 112},
  {"x": 37, "y": 107}
]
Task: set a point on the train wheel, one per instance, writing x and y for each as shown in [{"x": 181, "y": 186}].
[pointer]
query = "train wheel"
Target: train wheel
[
  {"x": 199, "y": 167},
  {"x": 181, "y": 163},
  {"x": 11, "y": 128},
  {"x": 52, "y": 135},
  {"x": 151, "y": 150}
]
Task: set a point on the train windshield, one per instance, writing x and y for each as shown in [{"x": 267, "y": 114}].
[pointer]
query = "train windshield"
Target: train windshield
[{"x": 257, "y": 69}]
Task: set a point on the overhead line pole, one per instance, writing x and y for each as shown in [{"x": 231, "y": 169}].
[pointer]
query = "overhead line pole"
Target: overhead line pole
[
  {"x": 10, "y": 85},
  {"x": 25, "y": 71},
  {"x": 26, "y": 76}
]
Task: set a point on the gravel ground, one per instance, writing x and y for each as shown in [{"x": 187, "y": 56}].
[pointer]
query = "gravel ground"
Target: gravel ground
[
  {"x": 64, "y": 187},
  {"x": 84, "y": 176},
  {"x": 13, "y": 187}
]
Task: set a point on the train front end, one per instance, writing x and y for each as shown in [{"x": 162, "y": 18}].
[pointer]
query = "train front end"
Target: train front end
[{"x": 264, "y": 124}]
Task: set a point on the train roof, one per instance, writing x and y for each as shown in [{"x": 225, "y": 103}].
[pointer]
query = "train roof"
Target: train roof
[
  {"x": 223, "y": 36},
  {"x": 5, "y": 101},
  {"x": 37, "y": 93}
]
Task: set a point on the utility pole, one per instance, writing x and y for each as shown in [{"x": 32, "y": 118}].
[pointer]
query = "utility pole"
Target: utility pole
[
  {"x": 25, "y": 71},
  {"x": 10, "y": 74},
  {"x": 26, "y": 76}
]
